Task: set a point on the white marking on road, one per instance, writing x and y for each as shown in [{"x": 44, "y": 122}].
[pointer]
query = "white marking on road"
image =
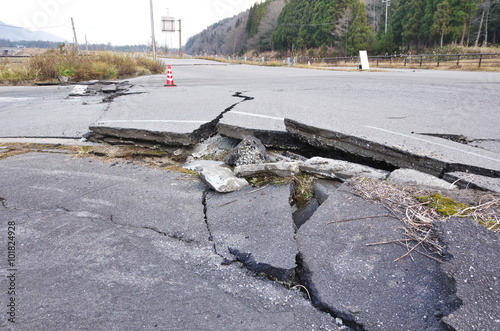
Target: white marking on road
[
  {"x": 257, "y": 115},
  {"x": 433, "y": 143},
  {"x": 151, "y": 121}
]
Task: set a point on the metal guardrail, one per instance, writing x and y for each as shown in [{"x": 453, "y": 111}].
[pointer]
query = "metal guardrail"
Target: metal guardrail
[{"x": 479, "y": 60}]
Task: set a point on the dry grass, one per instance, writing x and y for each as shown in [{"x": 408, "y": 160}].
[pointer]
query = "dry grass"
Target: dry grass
[
  {"x": 157, "y": 159},
  {"x": 421, "y": 209},
  {"x": 52, "y": 65}
]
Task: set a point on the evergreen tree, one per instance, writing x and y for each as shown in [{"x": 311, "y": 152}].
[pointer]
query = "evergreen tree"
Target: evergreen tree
[
  {"x": 411, "y": 23},
  {"x": 360, "y": 34},
  {"x": 442, "y": 19}
]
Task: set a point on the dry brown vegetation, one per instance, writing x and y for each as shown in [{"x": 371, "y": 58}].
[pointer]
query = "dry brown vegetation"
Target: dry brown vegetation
[
  {"x": 54, "y": 64},
  {"x": 420, "y": 209}
]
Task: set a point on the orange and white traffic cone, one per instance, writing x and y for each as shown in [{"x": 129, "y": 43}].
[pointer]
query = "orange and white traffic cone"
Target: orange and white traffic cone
[{"x": 170, "y": 78}]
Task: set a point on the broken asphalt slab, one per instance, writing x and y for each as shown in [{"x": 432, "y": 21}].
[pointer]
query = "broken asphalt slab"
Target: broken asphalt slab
[
  {"x": 123, "y": 195},
  {"x": 327, "y": 110},
  {"x": 149, "y": 266},
  {"x": 468, "y": 180},
  {"x": 430, "y": 155},
  {"x": 364, "y": 284},
  {"x": 168, "y": 116},
  {"x": 473, "y": 264},
  {"x": 255, "y": 227}
]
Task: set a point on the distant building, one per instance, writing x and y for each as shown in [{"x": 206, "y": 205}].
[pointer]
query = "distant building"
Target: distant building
[{"x": 5, "y": 50}]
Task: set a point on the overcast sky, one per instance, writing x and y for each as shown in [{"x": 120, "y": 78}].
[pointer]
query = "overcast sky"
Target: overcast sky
[{"x": 117, "y": 21}]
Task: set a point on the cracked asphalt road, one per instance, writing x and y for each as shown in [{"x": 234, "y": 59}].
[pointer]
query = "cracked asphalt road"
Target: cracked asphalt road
[
  {"x": 119, "y": 246},
  {"x": 123, "y": 247}
]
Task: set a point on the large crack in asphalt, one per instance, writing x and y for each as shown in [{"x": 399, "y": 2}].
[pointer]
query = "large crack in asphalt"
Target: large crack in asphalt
[
  {"x": 209, "y": 129},
  {"x": 302, "y": 279},
  {"x": 156, "y": 139}
]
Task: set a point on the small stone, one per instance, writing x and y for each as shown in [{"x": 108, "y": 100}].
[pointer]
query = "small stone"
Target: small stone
[
  {"x": 340, "y": 169},
  {"x": 222, "y": 179},
  {"x": 249, "y": 151}
]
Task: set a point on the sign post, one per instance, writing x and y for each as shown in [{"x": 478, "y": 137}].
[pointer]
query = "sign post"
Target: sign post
[
  {"x": 363, "y": 56},
  {"x": 168, "y": 25}
]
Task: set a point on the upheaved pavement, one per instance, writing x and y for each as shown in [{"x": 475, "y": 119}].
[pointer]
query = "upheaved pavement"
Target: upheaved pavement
[{"x": 432, "y": 121}]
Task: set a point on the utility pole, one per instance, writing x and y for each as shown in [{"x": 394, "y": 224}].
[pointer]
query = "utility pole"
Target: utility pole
[
  {"x": 153, "y": 30},
  {"x": 180, "y": 40},
  {"x": 74, "y": 32},
  {"x": 387, "y": 5}
]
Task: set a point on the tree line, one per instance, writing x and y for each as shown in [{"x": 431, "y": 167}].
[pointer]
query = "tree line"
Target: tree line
[
  {"x": 351, "y": 25},
  {"x": 343, "y": 27}
]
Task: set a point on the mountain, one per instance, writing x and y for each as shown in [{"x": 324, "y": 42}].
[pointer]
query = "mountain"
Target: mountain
[
  {"x": 248, "y": 31},
  {"x": 324, "y": 28},
  {"x": 15, "y": 33}
]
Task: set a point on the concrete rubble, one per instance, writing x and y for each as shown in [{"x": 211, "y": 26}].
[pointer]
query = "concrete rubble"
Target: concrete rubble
[
  {"x": 340, "y": 169},
  {"x": 249, "y": 151},
  {"x": 222, "y": 179},
  {"x": 280, "y": 169}
]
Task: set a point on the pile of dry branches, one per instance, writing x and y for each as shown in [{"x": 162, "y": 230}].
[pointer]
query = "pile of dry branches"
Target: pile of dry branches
[{"x": 420, "y": 217}]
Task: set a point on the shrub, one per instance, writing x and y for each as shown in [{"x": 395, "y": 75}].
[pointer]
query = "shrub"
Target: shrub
[{"x": 104, "y": 65}]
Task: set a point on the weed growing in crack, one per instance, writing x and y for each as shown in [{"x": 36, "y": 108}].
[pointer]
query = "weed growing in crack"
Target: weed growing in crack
[
  {"x": 269, "y": 180},
  {"x": 303, "y": 185},
  {"x": 304, "y": 189}
]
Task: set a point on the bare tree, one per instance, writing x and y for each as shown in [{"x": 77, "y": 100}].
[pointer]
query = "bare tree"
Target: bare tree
[
  {"x": 263, "y": 40},
  {"x": 341, "y": 30},
  {"x": 486, "y": 7}
]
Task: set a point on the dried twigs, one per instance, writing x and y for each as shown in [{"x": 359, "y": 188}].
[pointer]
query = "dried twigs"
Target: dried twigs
[{"x": 359, "y": 218}]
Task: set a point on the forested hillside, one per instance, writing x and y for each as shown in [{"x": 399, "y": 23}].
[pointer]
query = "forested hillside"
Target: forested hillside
[{"x": 343, "y": 27}]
